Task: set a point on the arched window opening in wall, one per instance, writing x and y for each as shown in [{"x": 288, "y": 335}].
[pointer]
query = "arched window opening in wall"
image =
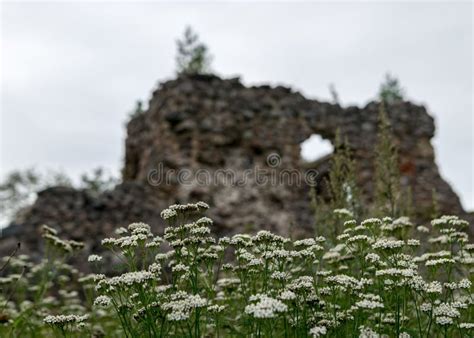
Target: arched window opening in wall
[{"x": 315, "y": 147}]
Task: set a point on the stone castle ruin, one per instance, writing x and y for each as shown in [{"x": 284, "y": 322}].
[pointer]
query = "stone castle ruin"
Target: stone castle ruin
[{"x": 203, "y": 122}]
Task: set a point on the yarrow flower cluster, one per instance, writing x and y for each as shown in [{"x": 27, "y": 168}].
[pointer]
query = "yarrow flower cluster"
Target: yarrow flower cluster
[
  {"x": 343, "y": 212},
  {"x": 50, "y": 236},
  {"x": 102, "y": 301},
  {"x": 318, "y": 331},
  {"x": 94, "y": 258},
  {"x": 370, "y": 301},
  {"x": 181, "y": 307},
  {"x": 388, "y": 244},
  {"x": 62, "y": 320},
  {"x": 128, "y": 279},
  {"x": 265, "y": 307}
]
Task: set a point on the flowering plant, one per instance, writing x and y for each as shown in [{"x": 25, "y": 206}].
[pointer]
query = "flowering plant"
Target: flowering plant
[{"x": 382, "y": 277}]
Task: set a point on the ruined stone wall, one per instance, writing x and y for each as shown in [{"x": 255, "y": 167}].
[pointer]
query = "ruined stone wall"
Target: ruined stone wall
[{"x": 207, "y": 123}]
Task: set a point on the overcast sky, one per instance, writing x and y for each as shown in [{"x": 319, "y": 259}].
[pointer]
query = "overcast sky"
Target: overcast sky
[{"x": 71, "y": 72}]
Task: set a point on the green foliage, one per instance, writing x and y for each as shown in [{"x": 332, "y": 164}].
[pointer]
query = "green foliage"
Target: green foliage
[
  {"x": 138, "y": 110},
  {"x": 381, "y": 277},
  {"x": 315, "y": 209},
  {"x": 342, "y": 188},
  {"x": 390, "y": 90},
  {"x": 342, "y": 177},
  {"x": 435, "y": 212},
  {"x": 29, "y": 289},
  {"x": 406, "y": 202},
  {"x": 19, "y": 188},
  {"x": 387, "y": 172},
  {"x": 192, "y": 55},
  {"x": 98, "y": 181}
]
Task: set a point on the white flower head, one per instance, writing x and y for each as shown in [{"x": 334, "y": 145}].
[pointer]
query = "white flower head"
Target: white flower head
[
  {"x": 318, "y": 331},
  {"x": 94, "y": 258},
  {"x": 265, "y": 307},
  {"x": 102, "y": 301}
]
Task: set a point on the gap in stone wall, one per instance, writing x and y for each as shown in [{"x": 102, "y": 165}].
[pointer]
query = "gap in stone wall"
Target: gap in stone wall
[{"x": 315, "y": 147}]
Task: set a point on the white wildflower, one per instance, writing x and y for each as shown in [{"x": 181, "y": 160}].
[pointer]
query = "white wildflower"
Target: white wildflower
[
  {"x": 94, "y": 258},
  {"x": 102, "y": 301},
  {"x": 168, "y": 214},
  {"x": 425, "y": 307},
  {"x": 445, "y": 313},
  {"x": 62, "y": 320},
  {"x": 154, "y": 268},
  {"x": 372, "y": 222},
  {"x": 178, "y": 268},
  {"x": 372, "y": 258},
  {"x": 440, "y": 261},
  {"x": 266, "y": 307},
  {"x": 121, "y": 231},
  {"x": 305, "y": 242},
  {"x": 130, "y": 278},
  {"x": 413, "y": 242},
  {"x": 369, "y": 304},
  {"x": 422, "y": 229},
  {"x": 287, "y": 295},
  {"x": 434, "y": 287},
  {"x": 444, "y": 320},
  {"x": 139, "y": 228},
  {"x": 216, "y": 308},
  {"x": 465, "y": 284},
  {"x": 318, "y": 331},
  {"x": 388, "y": 244},
  {"x": 277, "y": 275},
  {"x": 343, "y": 212},
  {"x": 366, "y": 332}
]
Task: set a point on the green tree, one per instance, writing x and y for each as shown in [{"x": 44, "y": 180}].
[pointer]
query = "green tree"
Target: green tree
[
  {"x": 387, "y": 172},
  {"x": 390, "y": 90},
  {"x": 20, "y": 187},
  {"x": 98, "y": 181},
  {"x": 18, "y": 190},
  {"x": 192, "y": 56}
]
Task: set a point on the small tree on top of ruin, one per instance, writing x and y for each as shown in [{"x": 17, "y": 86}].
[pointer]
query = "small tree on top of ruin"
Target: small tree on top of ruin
[
  {"x": 192, "y": 55},
  {"x": 390, "y": 90}
]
